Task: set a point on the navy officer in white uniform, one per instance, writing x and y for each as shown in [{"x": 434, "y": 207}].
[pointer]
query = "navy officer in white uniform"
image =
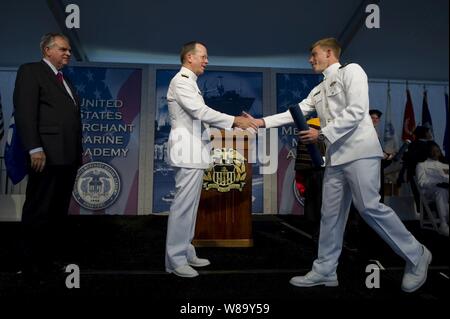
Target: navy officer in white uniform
[
  {"x": 352, "y": 171},
  {"x": 189, "y": 154}
]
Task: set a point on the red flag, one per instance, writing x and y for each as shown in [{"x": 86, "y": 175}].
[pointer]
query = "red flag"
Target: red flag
[{"x": 409, "y": 121}]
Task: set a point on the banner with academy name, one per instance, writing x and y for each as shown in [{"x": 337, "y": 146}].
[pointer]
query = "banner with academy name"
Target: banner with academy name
[{"x": 107, "y": 183}]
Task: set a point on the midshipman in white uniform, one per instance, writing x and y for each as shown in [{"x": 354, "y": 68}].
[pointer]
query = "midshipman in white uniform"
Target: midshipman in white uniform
[
  {"x": 432, "y": 177},
  {"x": 352, "y": 171}
]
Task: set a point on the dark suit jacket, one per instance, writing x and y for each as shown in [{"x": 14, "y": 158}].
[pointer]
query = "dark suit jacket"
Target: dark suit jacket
[
  {"x": 417, "y": 152},
  {"x": 46, "y": 116}
]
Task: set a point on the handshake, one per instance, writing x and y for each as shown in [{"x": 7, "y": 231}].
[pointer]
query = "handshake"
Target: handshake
[
  {"x": 309, "y": 135},
  {"x": 246, "y": 121}
]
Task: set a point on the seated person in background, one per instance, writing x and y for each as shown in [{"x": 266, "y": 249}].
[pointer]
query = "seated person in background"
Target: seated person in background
[
  {"x": 417, "y": 150},
  {"x": 432, "y": 177},
  {"x": 416, "y": 153}
]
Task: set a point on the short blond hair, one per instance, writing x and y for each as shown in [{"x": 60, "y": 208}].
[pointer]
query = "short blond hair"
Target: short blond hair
[{"x": 329, "y": 43}]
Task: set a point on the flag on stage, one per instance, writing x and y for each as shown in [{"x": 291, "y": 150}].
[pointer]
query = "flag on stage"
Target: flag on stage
[
  {"x": 15, "y": 156},
  {"x": 389, "y": 138},
  {"x": 446, "y": 146},
  {"x": 409, "y": 121},
  {"x": 2, "y": 122},
  {"x": 426, "y": 116}
]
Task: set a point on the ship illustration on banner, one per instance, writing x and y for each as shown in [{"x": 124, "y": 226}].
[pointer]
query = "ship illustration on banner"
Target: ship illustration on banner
[{"x": 226, "y": 101}]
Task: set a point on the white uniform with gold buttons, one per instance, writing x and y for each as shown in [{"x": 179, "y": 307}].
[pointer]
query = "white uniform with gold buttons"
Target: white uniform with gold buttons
[
  {"x": 353, "y": 156},
  {"x": 190, "y": 155}
]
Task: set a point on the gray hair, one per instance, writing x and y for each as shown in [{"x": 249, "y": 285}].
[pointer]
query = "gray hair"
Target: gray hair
[
  {"x": 188, "y": 48},
  {"x": 48, "y": 40}
]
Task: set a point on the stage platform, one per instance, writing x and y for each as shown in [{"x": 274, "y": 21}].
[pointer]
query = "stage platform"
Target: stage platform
[{"x": 124, "y": 256}]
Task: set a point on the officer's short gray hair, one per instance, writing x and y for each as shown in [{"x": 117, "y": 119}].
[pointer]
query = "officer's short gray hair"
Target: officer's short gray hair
[
  {"x": 187, "y": 48},
  {"x": 48, "y": 40},
  {"x": 329, "y": 43}
]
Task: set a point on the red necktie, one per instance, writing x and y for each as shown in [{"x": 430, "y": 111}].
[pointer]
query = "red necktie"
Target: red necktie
[{"x": 60, "y": 78}]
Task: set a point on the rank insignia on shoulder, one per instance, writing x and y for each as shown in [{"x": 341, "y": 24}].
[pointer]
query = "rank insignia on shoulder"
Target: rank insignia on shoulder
[
  {"x": 185, "y": 76},
  {"x": 316, "y": 93}
]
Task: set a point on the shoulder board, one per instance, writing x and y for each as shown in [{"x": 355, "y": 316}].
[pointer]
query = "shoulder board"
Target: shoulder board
[
  {"x": 185, "y": 76},
  {"x": 344, "y": 65}
]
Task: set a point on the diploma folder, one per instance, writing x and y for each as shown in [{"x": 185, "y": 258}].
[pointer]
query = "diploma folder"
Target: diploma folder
[{"x": 301, "y": 124}]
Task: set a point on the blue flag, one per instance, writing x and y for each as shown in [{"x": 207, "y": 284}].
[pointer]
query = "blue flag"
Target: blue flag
[
  {"x": 446, "y": 146},
  {"x": 15, "y": 156},
  {"x": 426, "y": 116}
]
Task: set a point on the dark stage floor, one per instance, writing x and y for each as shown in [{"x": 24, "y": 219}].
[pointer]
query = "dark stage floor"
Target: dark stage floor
[{"x": 124, "y": 256}]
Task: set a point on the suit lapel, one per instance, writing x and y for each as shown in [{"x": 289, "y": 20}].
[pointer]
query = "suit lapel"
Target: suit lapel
[
  {"x": 75, "y": 95},
  {"x": 55, "y": 81}
]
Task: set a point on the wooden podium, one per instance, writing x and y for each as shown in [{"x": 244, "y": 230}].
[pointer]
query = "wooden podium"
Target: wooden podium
[{"x": 224, "y": 217}]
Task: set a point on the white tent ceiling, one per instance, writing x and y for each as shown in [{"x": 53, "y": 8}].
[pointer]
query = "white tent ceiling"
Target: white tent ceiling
[{"x": 412, "y": 42}]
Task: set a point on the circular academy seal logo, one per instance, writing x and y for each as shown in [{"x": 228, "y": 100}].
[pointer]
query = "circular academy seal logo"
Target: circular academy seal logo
[{"x": 97, "y": 186}]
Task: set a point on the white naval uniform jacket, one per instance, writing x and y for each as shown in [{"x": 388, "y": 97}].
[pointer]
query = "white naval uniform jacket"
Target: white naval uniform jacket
[
  {"x": 341, "y": 101},
  {"x": 186, "y": 109},
  {"x": 430, "y": 173}
]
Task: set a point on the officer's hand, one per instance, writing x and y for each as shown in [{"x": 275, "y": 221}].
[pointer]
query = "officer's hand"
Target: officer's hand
[
  {"x": 38, "y": 161},
  {"x": 310, "y": 136},
  {"x": 245, "y": 123},
  {"x": 387, "y": 156},
  {"x": 259, "y": 122}
]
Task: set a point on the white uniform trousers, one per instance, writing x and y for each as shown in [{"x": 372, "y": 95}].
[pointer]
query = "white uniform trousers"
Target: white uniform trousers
[
  {"x": 358, "y": 180},
  {"x": 182, "y": 217}
]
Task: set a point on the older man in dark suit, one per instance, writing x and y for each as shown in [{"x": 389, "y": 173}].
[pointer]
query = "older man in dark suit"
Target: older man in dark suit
[{"x": 48, "y": 120}]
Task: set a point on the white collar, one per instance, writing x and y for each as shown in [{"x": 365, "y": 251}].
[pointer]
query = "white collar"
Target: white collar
[
  {"x": 331, "y": 69},
  {"x": 54, "y": 69},
  {"x": 189, "y": 72}
]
